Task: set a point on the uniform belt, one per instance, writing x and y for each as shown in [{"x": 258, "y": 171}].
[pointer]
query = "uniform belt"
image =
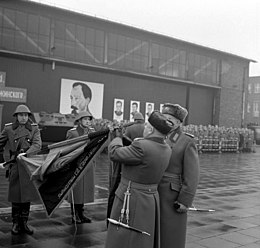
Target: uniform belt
[
  {"x": 140, "y": 186},
  {"x": 172, "y": 175}
]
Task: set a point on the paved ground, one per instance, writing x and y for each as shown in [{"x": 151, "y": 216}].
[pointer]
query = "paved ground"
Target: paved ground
[{"x": 230, "y": 184}]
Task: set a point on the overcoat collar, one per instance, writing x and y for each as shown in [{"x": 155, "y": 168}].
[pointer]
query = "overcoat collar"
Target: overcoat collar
[
  {"x": 81, "y": 131},
  {"x": 156, "y": 139},
  {"x": 16, "y": 124},
  {"x": 174, "y": 135}
]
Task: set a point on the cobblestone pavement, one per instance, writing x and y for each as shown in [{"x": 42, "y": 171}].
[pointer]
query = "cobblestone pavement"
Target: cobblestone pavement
[{"x": 229, "y": 184}]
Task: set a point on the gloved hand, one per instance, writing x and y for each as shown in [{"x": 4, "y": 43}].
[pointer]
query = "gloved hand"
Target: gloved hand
[
  {"x": 180, "y": 208},
  {"x": 2, "y": 166},
  {"x": 21, "y": 154},
  {"x": 117, "y": 132}
]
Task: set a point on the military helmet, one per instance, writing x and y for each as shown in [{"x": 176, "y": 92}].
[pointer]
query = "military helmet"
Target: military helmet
[
  {"x": 82, "y": 115},
  {"x": 138, "y": 116},
  {"x": 22, "y": 109}
]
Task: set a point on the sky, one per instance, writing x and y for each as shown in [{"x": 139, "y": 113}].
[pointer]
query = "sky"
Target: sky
[{"x": 231, "y": 26}]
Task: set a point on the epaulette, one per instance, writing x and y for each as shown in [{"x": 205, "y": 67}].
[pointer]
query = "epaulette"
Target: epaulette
[
  {"x": 190, "y": 135},
  {"x": 72, "y": 129},
  {"x": 8, "y": 124},
  {"x": 34, "y": 124},
  {"x": 138, "y": 138}
]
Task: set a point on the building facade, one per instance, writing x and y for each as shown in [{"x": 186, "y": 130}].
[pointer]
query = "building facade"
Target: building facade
[
  {"x": 45, "y": 49},
  {"x": 253, "y": 103}
]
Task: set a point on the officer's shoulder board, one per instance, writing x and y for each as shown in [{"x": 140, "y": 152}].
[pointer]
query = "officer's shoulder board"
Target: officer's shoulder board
[
  {"x": 72, "y": 129},
  {"x": 8, "y": 124},
  {"x": 189, "y": 134},
  {"x": 136, "y": 139},
  {"x": 34, "y": 124}
]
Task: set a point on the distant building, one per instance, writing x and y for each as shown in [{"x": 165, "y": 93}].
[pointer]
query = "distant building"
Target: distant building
[
  {"x": 253, "y": 102},
  {"x": 42, "y": 46}
]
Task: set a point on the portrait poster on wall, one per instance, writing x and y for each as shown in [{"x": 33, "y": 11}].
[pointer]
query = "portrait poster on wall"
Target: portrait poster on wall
[
  {"x": 77, "y": 96},
  {"x": 118, "y": 112},
  {"x": 149, "y": 108},
  {"x": 161, "y": 107},
  {"x": 134, "y": 107}
]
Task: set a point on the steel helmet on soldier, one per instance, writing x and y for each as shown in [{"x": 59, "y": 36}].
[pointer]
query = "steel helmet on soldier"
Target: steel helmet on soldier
[
  {"x": 138, "y": 116},
  {"x": 82, "y": 115},
  {"x": 22, "y": 109}
]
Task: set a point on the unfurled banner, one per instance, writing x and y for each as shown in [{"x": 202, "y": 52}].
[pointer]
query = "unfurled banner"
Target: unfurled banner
[{"x": 55, "y": 173}]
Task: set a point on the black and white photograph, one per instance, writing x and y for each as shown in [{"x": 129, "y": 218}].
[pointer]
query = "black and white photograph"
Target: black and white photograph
[
  {"x": 118, "y": 113},
  {"x": 78, "y": 96},
  {"x": 149, "y": 108},
  {"x": 80, "y": 164},
  {"x": 134, "y": 108}
]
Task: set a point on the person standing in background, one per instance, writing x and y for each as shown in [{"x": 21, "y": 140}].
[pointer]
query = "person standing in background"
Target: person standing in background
[
  {"x": 136, "y": 130},
  {"x": 83, "y": 192},
  {"x": 180, "y": 180},
  {"x": 21, "y": 137}
]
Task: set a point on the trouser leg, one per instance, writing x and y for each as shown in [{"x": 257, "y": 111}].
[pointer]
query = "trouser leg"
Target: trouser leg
[
  {"x": 16, "y": 229},
  {"x": 24, "y": 215}
]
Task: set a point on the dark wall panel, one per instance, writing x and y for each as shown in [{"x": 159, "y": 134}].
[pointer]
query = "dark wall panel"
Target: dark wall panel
[
  {"x": 43, "y": 86},
  {"x": 200, "y": 106}
]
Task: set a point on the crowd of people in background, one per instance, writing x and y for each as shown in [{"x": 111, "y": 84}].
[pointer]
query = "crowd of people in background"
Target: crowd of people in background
[{"x": 208, "y": 138}]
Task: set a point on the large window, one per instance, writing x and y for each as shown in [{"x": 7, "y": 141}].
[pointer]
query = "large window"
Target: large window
[
  {"x": 257, "y": 88},
  {"x": 24, "y": 32},
  {"x": 249, "y": 88},
  {"x": 248, "y": 107},
  {"x": 127, "y": 52},
  {"x": 80, "y": 43},
  {"x": 256, "y": 109},
  {"x": 168, "y": 61},
  {"x": 202, "y": 69}
]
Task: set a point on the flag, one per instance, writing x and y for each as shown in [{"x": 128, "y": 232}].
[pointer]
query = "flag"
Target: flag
[{"x": 55, "y": 172}]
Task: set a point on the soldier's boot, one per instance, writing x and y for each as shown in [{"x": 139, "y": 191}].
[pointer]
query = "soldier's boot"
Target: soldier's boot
[
  {"x": 24, "y": 215},
  {"x": 77, "y": 214},
  {"x": 16, "y": 229},
  {"x": 83, "y": 218}
]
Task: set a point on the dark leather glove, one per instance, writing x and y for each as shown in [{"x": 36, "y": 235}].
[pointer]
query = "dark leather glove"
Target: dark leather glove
[{"x": 180, "y": 208}]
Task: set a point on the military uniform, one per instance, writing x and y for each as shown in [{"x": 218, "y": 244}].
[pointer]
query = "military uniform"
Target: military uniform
[
  {"x": 179, "y": 183},
  {"x": 136, "y": 130},
  {"x": 137, "y": 200},
  {"x": 25, "y": 138},
  {"x": 144, "y": 162},
  {"x": 20, "y": 139},
  {"x": 83, "y": 191}
]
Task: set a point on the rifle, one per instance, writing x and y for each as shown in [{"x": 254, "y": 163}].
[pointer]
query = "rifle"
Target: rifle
[{"x": 15, "y": 153}]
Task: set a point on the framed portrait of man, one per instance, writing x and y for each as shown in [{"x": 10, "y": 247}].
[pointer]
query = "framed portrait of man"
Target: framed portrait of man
[
  {"x": 134, "y": 107},
  {"x": 118, "y": 112},
  {"x": 78, "y": 96},
  {"x": 161, "y": 107},
  {"x": 149, "y": 108}
]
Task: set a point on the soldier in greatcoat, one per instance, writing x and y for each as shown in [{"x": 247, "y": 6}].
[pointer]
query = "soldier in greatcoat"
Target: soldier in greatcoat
[
  {"x": 136, "y": 202},
  {"x": 136, "y": 130},
  {"x": 83, "y": 192},
  {"x": 21, "y": 137},
  {"x": 179, "y": 183}
]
